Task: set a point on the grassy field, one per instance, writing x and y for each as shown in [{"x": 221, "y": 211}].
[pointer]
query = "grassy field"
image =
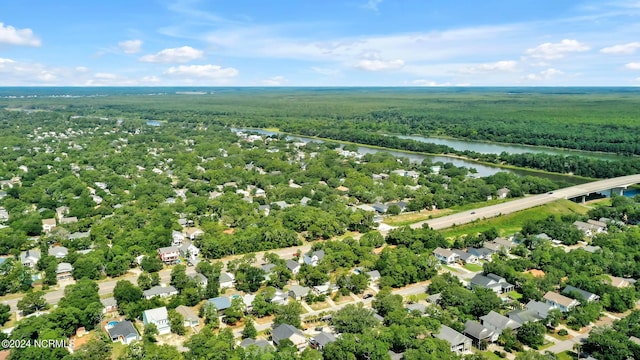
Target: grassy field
[
  {"x": 511, "y": 223},
  {"x": 473, "y": 267}
]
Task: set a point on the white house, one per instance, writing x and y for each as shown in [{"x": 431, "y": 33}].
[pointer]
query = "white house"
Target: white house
[
  {"x": 445, "y": 255},
  {"x": 159, "y": 317}
]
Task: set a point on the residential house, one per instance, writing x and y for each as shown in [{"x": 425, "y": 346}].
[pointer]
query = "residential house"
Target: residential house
[
  {"x": 123, "y": 331},
  {"x": 560, "y": 301},
  {"x": 4, "y": 214},
  {"x": 226, "y": 280},
  {"x": 482, "y": 253},
  {"x": 268, "y": 270},
  {"x": 421, "y": 308},
  {"x": 590, "y": 229},
  {"x": 600, "y": 226},
  {"x": 374, "y": 276},
  {"x": 324, "y": 289},
  {"x": 503, "y": 192},
  {"x": 64, "y": 271},
  {"x": 69, "y": 220},
  {"x": 588, "y": 296},
  {"x": 293, "y": 265},
  {"x": 618, "y": 282},
  {"x": 380, "y": 208},
  {"x": 109, "y": 305},
  {"x": 314, "y": 258},
  {"x": 262, "y": 344},
  {"x": 177, "y": 238},
  {"x": 479, "y": 333},
  {"x": 159, "y": 317},
  {"x": 79, "y": 235},
  {"x": 190, "y": 252},
  {"x": 48, "y": 225},
  {"x": 30, "y": 258},
  {"x": 286, "y": 331},
  {"x": 534, "y": 311},
  {"x": 459, "y": 343},
  {"x": 221, "y": 303},
  {"x": 466, "y": 257},
  {"x": 161, "y": 291},
  {"x": 189, "y": 316},
  {"x": 445, "y": 256},
  {"x": 321, "y": 340},
  {"x": 58, "y": 252},
  {"x": 247, "y": 299},
  {"x": 435, "y": 298},
  {"x": 193, "y": 232},
  {"x": 498, "y": 322},
  {"x": 492, "y": 282},
  {"x": 298, "y": 292},
  {"x": 169, "y": 255},
  {"x": 279, "y": 298},
  {"x": 200, "y": 279}
]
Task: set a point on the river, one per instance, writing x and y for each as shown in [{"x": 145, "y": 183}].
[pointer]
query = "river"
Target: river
[
  {"x": 495, "y": 148},
  {"x": 481, "y": 169}
]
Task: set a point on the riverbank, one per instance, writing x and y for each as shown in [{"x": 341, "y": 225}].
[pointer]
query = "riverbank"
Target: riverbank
[{"x": 523, "y": 171}]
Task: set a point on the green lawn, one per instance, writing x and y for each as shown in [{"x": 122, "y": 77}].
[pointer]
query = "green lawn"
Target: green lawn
[
  {"x": 566, "y": 355},
  {"x": 473, "y": 267},
  {"x": 511, "y": 223},
  {"x": 489, "y": 355},
  {"x": 515, "y": 295}
]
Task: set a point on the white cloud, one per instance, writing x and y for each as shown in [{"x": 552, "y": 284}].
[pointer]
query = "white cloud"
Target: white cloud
[
  {"x": 202, "y": 71},
  {"x": 107, "y": 76},
  {"x": 174, "y": 55},
  {"x": 633, "y": 66},
  {"x": 372, "y": 5},
  {"x": 422, "y": 82},
  {"x": 552, "y": 51},
  {"x": 275, "y": 81},
  {"x": 547, "y": 74},
  {"x": 379, "y": 65},
  {"x": 13, "y": 36},
  {"x": 6, "y": 61},
  {"x": 622, "y": 49},
  {"x": 499, "y": 66},
  {"x": 130, "y": 46},
  {"x": 82, "y": 69}
]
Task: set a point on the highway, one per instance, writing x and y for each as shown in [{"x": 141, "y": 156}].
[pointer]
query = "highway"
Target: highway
[{"x": 527, "y": 202}]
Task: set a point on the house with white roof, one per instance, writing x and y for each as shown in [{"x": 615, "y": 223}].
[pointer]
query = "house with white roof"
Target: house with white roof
[{"x": 159, "y": 317}]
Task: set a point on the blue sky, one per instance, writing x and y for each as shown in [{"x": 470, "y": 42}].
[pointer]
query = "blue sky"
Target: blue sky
[{"x": 320, "y": 43}]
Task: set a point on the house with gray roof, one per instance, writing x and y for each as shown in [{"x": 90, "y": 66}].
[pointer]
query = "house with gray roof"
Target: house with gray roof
[
  {"x": 79, "y": 235},
  {"x": 298, "y": 292},
  {"x": 492, "y": 282},
  {"x": 560, "y": 301},
  {"x": 293, "y": 265},
  {"x": 286, "y": 331},
  {"x": 161, "y": 291},
  {"x": 479, "y": 333},
  {"x": 568, "y": 290},
  {"x": 314, "y": 258},
  {"x": 459, "y": 343},
  {"x": 30, "y": 258},
  {"x": 189, "y": 316},
  {"x": 64, "y": 271},
  {"x": 321, "y": 340},
  {"x": 159, "y": 317},
  {"x": 435, "y": 298},
  {"x": 498, "y": 322},
  {"x": 200, "y": 279},
  {"x": 221, "y": 303},
  {"x": 262, "y": 344},
  {"x": 534, "y": 311},
  {"x": 109, "y": 304},
  {"x": 445, "y": 256},
  {"x": 481, "y": 253},
  {"x": 123, "y": 331},
  {"x": 58, "y": 252},
  {"x": 421, "y": 308},
  {"x": 374, "y": 276},
  {"x": 226, "y": 280},
  {"x": 466, "y": 257}
]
